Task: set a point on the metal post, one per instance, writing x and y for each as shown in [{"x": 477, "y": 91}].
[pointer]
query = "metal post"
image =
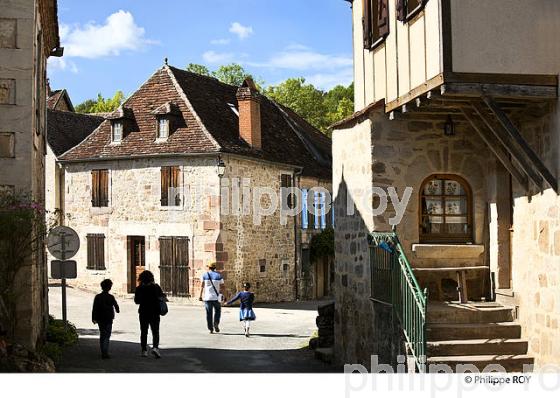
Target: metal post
[{"x": 63, "y": 257}]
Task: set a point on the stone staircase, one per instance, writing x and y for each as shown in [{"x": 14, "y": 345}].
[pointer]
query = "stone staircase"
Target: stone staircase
[
  {"x": 465, "y": 329},
  {"x": 475, "y": 333}
]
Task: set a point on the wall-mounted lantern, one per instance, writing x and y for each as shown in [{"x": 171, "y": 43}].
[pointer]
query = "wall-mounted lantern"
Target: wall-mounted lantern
[
  {"x": 449, "y": 128},
  {"x": 221, "y": 167}
]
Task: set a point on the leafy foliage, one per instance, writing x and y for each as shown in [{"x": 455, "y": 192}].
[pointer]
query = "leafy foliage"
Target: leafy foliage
[
  {"x": 198, "y": 69},
  {"x": 322, "y": 244},
  {"x": 101, "y": 104},
  {"x": 233, "y": 74},
  {"x": 56, "y": 333},
  {"x": 22, "y": 232},
  {"x": 319, "y": 108}
]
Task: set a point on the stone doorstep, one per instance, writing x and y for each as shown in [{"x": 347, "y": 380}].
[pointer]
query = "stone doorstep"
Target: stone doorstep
[
  {"x": 468, "y": 313},
  {"x": 511, "y": 363},
  {"x": 439, "y": 251}
]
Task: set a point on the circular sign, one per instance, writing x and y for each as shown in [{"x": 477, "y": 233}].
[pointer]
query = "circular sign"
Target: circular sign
[{"x": 63, "y": 242}]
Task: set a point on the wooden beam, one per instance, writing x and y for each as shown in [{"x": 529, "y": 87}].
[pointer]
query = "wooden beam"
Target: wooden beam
[
  {"x": 498, "y": 90},
  {"x": 502, "y": 78},
  {"x": 506, "y": 141},
  {"x": 515, "y": 134},
  {"x": 495, "y": 147},
  {"x": 414, "y": 93}
]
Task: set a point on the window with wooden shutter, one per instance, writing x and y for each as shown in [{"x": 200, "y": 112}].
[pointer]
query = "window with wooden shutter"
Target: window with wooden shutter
[
  {"x": 100, "y": 188},
  {"x": 96, "y": 251},
  {"x": 286, "y": 182},
  {"x": 170, "y": 180},
  {"x": 408, "y": 9},
  {"x": 375, "y": 20}
]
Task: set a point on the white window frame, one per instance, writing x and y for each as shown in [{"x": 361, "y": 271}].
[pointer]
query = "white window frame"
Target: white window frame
[
  {"x": 113, "y": 130},
  {"x": 159, "y": 129}
]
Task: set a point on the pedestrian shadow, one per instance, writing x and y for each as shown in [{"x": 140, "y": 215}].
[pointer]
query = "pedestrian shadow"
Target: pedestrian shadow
[
  {"x": 296, "y": 336},
  {"x": 94, "y": 332},
  {"x": 84, "y": 357}
]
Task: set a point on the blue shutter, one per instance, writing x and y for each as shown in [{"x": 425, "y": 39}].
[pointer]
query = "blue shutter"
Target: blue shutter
[
  {"x": 323, "y": 211},
  {"x": 315, "y": 214},
  {"x": 304, "y": 211},
  {"x": 332, "y": 214}
]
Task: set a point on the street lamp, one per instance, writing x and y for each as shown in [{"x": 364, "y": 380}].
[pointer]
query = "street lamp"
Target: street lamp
[{"x": 221, "y": 167}]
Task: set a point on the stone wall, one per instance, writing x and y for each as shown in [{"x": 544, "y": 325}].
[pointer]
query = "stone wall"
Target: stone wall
[
  {"x": 383, "y": 153},
  {"x": 22, "y": 126},
  {"x": 264, "y": 254},
  {"x": 135, "y": 210},
  {"x": 536, "y": 247}
]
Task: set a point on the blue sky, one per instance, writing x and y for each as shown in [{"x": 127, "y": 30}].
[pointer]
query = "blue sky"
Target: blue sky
[{"x": 117, "y": 44}]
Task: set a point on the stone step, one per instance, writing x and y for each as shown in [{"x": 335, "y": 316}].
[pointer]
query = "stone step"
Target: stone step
[
  {"x": 451, "y": 269},
  {"x": 472, "y": 331},
  {"x": 325, "y": 354},
  {"x": 477, "y": 347},
  {"x": 468, "y": 313},
  {"x": 509, "y": 363}
]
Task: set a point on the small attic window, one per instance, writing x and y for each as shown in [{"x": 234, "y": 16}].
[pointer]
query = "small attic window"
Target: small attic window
[
  {"x": 117, "y": 131},
  {"x": 233, "y": 109},
  {"x": 163, "y": 128}
]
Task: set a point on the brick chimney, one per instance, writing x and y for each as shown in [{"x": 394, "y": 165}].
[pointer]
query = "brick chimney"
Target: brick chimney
[{"x": 249, "y": 102}]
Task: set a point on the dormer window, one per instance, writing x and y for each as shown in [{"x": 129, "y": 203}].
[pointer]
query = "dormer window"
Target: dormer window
[
  {"x": 163, "y": 128},
  {"x": 116, "y": 131}
]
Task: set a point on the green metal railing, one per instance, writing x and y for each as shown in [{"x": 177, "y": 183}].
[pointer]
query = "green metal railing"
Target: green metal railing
[{"x": 393, "y": 283}]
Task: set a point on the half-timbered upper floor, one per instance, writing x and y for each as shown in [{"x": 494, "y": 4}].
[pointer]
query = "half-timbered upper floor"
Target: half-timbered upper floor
[{"x": 405, "y": 48}]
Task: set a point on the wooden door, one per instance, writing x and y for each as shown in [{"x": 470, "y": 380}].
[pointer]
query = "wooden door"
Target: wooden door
[{"x": 136, "y": 248}]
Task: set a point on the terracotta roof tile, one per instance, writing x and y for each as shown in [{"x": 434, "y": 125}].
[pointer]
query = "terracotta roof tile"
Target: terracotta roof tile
[{"x": 68, "y": 129}]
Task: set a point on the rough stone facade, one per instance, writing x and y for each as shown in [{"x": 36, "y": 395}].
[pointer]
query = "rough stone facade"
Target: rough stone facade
[
  {"x": 23, "y": 55},
  {"x": 264, "y": 254},
  {"x": 135, "y": 210},
  {"x": 535, "y": 248},
  {"x": 382, "y": 153}
]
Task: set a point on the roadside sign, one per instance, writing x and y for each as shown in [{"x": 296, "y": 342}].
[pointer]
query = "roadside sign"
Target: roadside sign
[
  {"x": 63, "y": 243},
  {"x": 64, "y": 269}
]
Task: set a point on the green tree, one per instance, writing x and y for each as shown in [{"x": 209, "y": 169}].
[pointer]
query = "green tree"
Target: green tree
[
  {"x": 235, "y": 75},
  {"x": 198, "y": 69},
  {"x": 101, "y": 104},
  {"x": 303, "y": 98}
]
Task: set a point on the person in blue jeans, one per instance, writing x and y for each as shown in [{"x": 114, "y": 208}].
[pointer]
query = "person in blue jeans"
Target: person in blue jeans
[
  {"x": 246, "y": 313},
  {"x": 211, "y": 283},
  {"x": 103, "y": 313}
]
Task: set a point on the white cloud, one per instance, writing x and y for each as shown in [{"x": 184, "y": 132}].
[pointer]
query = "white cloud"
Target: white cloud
[
  {"x": 213, "y": 57},
  {"x": 220, "y": 42},
  {"x": 118, "y": 33},
  {"x": 305, "y": 59},
  {"x": 326, "y": 81},
  {"x": 241, "y": 31},
  {"x": 61, "y": 64}
]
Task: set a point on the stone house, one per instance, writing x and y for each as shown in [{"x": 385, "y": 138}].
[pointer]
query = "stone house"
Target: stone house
[
  {"x": 457, "y": 100},
  {"x": 65, "y": 130},
  {"x": 168, "y": 183},
  {"x": 28, "y": 36}
]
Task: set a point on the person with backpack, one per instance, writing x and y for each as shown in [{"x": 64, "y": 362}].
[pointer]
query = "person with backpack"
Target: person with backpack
[
  {"x": 211, "y": 283},
  {"x": 103, "y": 313},
  {"x": 151, "y": 300}
]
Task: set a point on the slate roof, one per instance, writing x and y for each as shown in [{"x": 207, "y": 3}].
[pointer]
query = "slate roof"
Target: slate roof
[
  {"x": 65, "y": 129},
  {"x": 208, "y": 124},
  {"x": 56, "y": 96}
]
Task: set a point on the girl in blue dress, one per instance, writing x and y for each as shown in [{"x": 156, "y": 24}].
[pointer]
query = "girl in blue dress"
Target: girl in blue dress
[{"x": 246, "y": 313}]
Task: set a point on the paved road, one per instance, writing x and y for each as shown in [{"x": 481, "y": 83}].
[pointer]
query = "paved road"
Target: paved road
[{"x": 279, "y": 335}]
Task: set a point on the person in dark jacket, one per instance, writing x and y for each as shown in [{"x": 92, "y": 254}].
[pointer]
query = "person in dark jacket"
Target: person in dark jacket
[
  {"x": 246, "y": 313},
  {"x": 149, "y": 295},
  {"x": 103, "y": 313}
]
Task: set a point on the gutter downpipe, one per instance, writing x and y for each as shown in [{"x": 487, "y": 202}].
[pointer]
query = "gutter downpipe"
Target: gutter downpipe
[{"x": 296, "y": 179}]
